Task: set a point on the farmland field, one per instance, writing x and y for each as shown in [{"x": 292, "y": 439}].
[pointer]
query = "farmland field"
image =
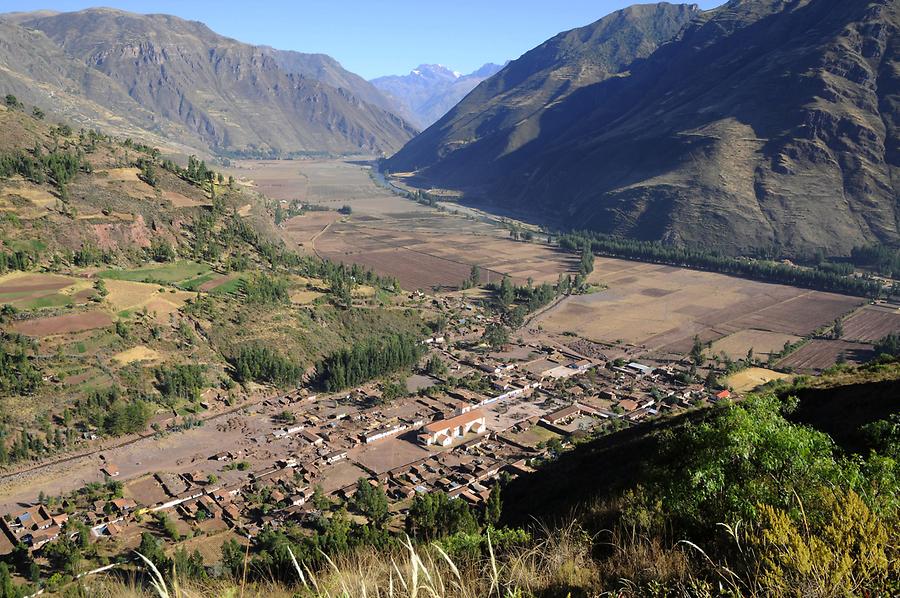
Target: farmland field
[
  {"x": 63, "y": 324},
  {"x": 139, "y": 353},
  {"x": 656, "y": 309},
  {"x": 749, "y": 378},
  {"x": 330, "y": 183},
  {"x": 125, "y": 295},
  {"x": 394, "y": 236},
  {"x": 36, "y": 290},
  {"x": 763, "y": 343},
  {"x": 171, "y": 273},
  {"x": 661, "y": 308},
  {"x": 872, "y": 323},
  {"x": 820, "y": 354},
  {"x": 440, "y": 250}
]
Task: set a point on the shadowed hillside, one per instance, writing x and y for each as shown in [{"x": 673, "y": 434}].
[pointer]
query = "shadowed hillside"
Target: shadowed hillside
[
  {"x": 761, "y": 124},
  {"x": 181, "y": 80}
]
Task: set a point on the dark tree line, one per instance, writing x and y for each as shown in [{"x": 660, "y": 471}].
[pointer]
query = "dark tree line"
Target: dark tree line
[
  {"x": 57, "y": 167},
  {"x": 888, "y": 345},
  {"x": 767, "y": 271},
  {"x": 261, "y": 364},
  {"x": 180, "y": 381},
  {"x": 366, "y": 360},
  {"x": 18, "y": 374},
  {"x": 91, "y": 255},
  {"x": 17, "y": 260},
  {"x": 263, "y": 289},
  {"x": 435, "y": 515},
  {"x": 111, "y": 413},
  {"x": 882, "y": 259}
]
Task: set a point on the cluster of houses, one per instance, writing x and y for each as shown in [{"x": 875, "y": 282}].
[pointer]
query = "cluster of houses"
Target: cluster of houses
[
  {"x": 456, "y": 440},
  {"x": 33, "y": 527}
]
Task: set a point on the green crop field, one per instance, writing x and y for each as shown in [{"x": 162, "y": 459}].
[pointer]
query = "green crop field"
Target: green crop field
[{"x": 172, "y": 273}]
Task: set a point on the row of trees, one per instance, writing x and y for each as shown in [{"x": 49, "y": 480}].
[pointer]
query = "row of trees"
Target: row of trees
[
  {"x": 258, "y": 363},
  {"x": 57, "y": 167},
  {"x": 764, "y": 270},
  {"x": 112, "y": 413},
  {"x": 882, "y": 259},
  {"x": 366, "y": 360},
  {"x": 888, "y": 345},
  {"x": 17, "y": 260},
  {"x": 183, "y": 381},
  {"x": 263, "y": 289},
  {"x": 18, "y": 373},
  {"x": 432, "y": 517}
]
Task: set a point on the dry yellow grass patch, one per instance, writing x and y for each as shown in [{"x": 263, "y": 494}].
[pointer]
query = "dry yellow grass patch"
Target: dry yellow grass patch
[
  {"x": 182, "y": 201},
  {"x": 134, "y": 187},
  {"x": 125, "y": 294},
  {"x": 364, "y": 291},
  {"x": 139, "y": 353},
  {"x": 162, "y": 306},
  {"x": 13, "y": 275},
  {"x": 311, "y": 283},
  {"x": 304, "y": 297},
  {"x": 245, "y": 210},
  {"x": 748, "y": 379},
  {"x": 127, "y": 175},
  {"x": 35, "y": 194}
]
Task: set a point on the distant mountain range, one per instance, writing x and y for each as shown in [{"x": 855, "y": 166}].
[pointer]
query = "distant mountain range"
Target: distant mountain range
[
  {"x": 758, "y": 124},
  {"x": 169, "y": 79},
  {"x": 430, "y": 90}
]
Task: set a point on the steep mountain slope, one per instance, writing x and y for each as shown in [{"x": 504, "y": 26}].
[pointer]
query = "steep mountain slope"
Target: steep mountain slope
[
  {"x": 763, "y": 123},
  {"x": 504, "y": 112},
  {"x": 231, "y": 97},
  {"x": 329, "y": 71},
  {"x": 37, "y": 71},
  {"x": 430, "y": 90}
]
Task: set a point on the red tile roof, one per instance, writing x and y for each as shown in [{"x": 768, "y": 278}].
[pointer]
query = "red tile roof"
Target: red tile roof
[{"x": 459, "y": 420}]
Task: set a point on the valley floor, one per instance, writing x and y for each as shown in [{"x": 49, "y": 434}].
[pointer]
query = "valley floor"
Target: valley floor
[{"x": 612, "y": 357}]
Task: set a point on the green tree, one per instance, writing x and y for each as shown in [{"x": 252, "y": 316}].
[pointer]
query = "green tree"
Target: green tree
[
  {"x": 371, "y": 502},
  {"x": 741, "y": 456},
  {"x": 586, "y": 266},
  {"x": 319, "y": 499},
  {"x": 434, "y": 515},
  {"x": 838, "y": 329},
  {"x": 507, "y": 293},
  {"x": 495, "y": 335},
  {"x": 435, "y": 366},
  {"x": 475, "y": 276},
  {"x": 7, "y": 587},
  {"x": 63, "y": 555},
  {"x": 888, "y": 345},
  {"x": 148, "y": 173},
  {"x": 493, "y": 509},
  {"x": 233, "y": 555},
  {"x": 161, "y": 250},
  {"x": 188, "y": 565},
  {"x": 697, "y": 351},
  {"x": 152, "y": 548}
]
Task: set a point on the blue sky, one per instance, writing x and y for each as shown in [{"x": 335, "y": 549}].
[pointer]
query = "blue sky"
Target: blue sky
[{"x": 372, "y": 37}]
